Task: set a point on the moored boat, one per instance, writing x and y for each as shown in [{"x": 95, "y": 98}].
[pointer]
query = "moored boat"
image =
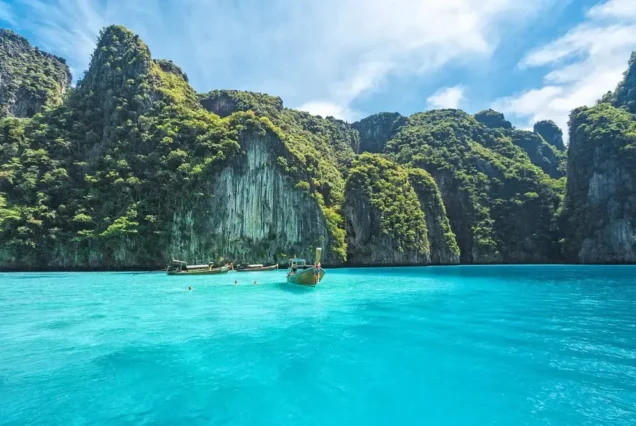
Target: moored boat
[
  {"x": 303, "y": 274},
  {"x": 257, "y": 267},
  {"x": 179, "y": 267}
]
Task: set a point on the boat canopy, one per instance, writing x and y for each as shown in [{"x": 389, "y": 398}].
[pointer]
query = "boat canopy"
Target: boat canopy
[
  {"x": 298, "y": 261},
  {"x": 197, "y": 266},
  {"x": 257, "y": 265}
]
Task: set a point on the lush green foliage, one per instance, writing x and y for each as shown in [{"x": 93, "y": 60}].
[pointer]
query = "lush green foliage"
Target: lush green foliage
[
  {"x": 493, "y": 119},
  {"x": 542, "y": 154},
  {"x": 31, "y": 79},
  {"x": 129, "y": 146},
  {"x": 386, "y": 187},
  {"x": 487, "y": 184}
]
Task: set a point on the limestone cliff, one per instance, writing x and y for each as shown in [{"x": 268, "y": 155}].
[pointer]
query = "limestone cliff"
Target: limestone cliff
[
  {"x": 500, "y": 207},
  {"x": 551, "y": 133},
  {"x": 131, "y": 171},
  {"x": 541, "y": 153},
  {"x": 335, "y": 140},
  {"x": 29, "y": 78},
  {"x": 599, "y": 211},
  {"x": 133, "y": 167},
  {"x": 257, "y": 213},
  {"x": 625, "y": 94},
  {"x": 600, "y": 204},
  {"x": 377, "y": 129},
  {"x": 383, "y": 219},
  {"x": 443, "y": 245}
]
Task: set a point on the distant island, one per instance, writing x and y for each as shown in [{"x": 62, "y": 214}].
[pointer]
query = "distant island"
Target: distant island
[{"x": 132, "y": 168}]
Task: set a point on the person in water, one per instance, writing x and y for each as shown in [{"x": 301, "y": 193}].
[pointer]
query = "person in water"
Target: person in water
[
  {"x": 316, "y": 272},
  {"x": 235, "y": 282},
  {"x": 190, "y": 288}
]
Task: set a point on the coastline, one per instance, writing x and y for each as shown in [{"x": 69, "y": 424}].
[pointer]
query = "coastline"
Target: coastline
[{"x": 143, "y": 269}]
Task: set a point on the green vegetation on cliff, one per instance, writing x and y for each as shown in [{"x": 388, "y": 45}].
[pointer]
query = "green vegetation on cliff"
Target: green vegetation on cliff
[
  {"x": 600, "y": 203},
  {"x": 384, "y": 221},
  {"x": 493, "y": 119},
  {"x": 501, "y": 206},
  {"x": 317, "y": 153},
  {"x": 387, "y": 188},
  {"x": 125, "y": 170},
  {"x": 625, "y": 96},
  {"x": 444, "y": 248},
  {"x": 129, "y": 146},
  {"x": 99, "y": 180},
  {"x": 541, "y": 153},
  {"x": 29, "y": 78}
]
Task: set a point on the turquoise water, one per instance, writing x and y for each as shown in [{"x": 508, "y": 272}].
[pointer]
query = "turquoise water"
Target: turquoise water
[{"x": 503, "y": 345}]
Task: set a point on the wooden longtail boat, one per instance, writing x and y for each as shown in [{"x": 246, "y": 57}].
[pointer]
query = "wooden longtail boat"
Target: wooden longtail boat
[
  {"x": 257, "y": 267},
  {"x": 179, "y": 267},
  {"x": 302, "y": 274}
]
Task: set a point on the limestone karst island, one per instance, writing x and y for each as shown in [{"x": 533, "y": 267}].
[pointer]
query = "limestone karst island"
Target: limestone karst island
[{"x": 131, "y": 168}]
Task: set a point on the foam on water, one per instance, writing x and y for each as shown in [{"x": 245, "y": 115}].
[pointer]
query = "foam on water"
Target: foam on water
[{"x": 501, "y": 345}]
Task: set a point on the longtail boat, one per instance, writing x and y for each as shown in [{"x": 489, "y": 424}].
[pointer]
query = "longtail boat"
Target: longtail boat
[
  {"x": 179, "y": 267},
  {"x": 302, "y": 274},
  {"x": 257, "y": 267}
]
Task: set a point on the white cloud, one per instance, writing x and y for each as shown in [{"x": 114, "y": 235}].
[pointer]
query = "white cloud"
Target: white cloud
[
  {"x": 583, "y": 64},
  {"x": 308, "y": 52},
  {"x": 328, "y": 109},
  {"x": 449, "y": 97}
]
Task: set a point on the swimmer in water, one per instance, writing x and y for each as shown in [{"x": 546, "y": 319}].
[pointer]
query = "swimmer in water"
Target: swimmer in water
[
  {"x": 235, "y": 282},
  {"x": 255, "y": 283},
  {"x": 190, "y": 288}
]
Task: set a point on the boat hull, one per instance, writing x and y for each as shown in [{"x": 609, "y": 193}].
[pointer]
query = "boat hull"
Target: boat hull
[
  {"x": 306, "y": 277},
  {"x": 264, "y": 268},
  {"x": 214, "y": 271}
]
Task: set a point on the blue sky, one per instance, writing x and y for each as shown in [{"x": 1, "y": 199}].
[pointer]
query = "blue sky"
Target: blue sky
[{"x": 531, "y": 59}]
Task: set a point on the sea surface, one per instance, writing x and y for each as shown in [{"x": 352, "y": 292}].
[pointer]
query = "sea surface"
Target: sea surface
[{"x": 468, "y": 345}]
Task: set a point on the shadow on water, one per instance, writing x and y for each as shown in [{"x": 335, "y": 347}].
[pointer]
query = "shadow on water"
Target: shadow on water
[{"x": 296, "y": 289}]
